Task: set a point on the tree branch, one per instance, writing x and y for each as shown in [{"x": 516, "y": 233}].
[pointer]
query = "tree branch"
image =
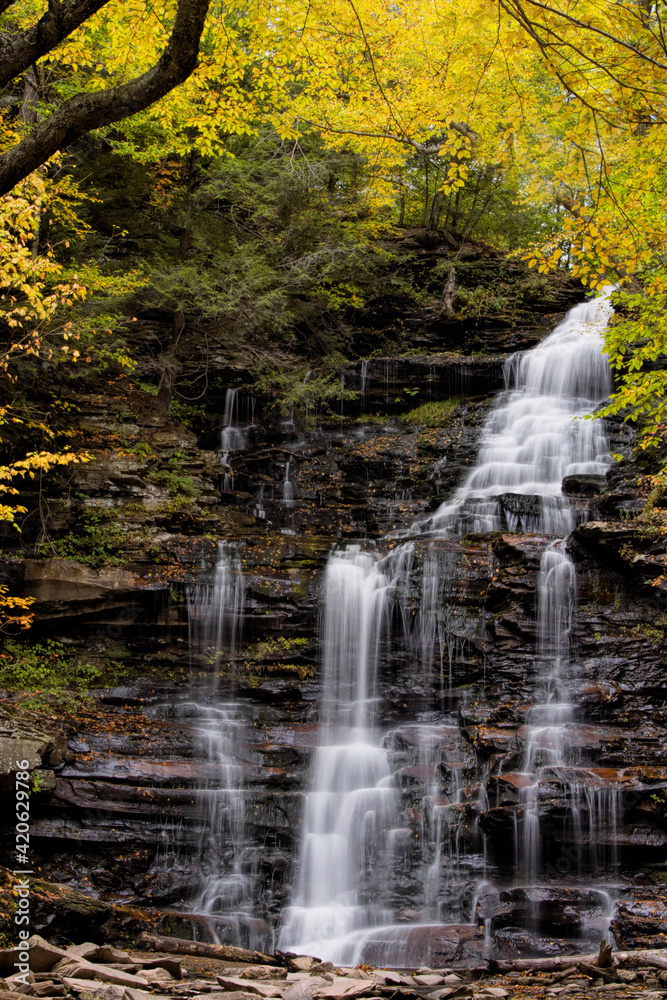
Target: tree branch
[
  {"x": 18, "y": 52},
  {"x": 564, "y": 16},
  {"x": 84, "y": 112}
]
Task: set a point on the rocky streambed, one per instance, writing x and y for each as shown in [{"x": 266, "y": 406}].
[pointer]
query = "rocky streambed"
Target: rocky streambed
[{"x": 104, "y": 971}]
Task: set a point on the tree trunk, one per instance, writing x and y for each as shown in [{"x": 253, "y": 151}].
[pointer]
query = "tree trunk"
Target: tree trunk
[
  {"x": 19, "y": 52},
  {"x": 657, "y": 958},
  {"x": 29, "y": 97},
  {"x": 84, "y": 112},
  {"x": 28, "y": 115},
  {"x": 438, "y": 199},
  {"x": 447, "y": 308},
  {"x": 168, "y": 363},
  {"x": 226, "y": 952},
  {"x": 425, "y": 211},
  {"x": 185, "y": 241}
]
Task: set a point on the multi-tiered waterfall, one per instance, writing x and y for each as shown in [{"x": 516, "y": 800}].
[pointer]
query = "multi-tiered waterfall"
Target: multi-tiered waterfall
[
  {"x": 395, "y": 864},
  {"x": 535, "y": 436}
]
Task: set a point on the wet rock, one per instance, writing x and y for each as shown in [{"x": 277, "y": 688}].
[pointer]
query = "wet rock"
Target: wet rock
[
  {"x": 641, "y": 922},
  {"x": 583, "y": 485},
  {"x": 554, "y": 911},
  {"x": 408, "y": 946},
  {"x": 382, "y": 382},
  {"x": 517, "y": 942}
]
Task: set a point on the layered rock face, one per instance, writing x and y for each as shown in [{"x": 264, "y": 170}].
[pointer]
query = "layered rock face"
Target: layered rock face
[{"x": 176, "y": 799}]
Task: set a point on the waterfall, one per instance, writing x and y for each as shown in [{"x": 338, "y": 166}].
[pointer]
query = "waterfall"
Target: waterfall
[
  {"x": 288, "y": 489},
  {"x": 352, "y": 805},
  {"x": 530, "y": 440},
  {"x": 226, "y": 861},
  {"x": 235, "y": 434},
  {"x": 534, "y": 436},
  {"x": 215, "y": 609},
  {"x": 556, "y": 600}
]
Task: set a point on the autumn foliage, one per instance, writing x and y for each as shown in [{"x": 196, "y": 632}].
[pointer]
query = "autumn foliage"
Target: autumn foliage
[{"x": 562, "y": 104}]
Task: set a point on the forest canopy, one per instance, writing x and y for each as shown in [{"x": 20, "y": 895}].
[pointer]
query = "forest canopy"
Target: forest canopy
[{"x": 317, "y": 128}]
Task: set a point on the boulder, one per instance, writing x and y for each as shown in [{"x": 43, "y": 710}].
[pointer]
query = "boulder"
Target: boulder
[
  {"x": 249, "y": 986},
  {"x": 259, "y": 972},
  {"x": 81, "y": 969},
  {"x": 43, "y": 956},
  {"x": 15, "y": 751},
  {"x": 344, "y": 986},
  {"x": 305, "y": 989},
  {"x": 408, "y": 945},
  {"x": 98, "y": 953}
]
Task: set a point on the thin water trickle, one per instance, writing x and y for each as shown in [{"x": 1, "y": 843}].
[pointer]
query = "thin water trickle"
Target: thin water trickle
[
  {"x": 215, "y": 608},
  {"x": 288, "y": 489},
  {"x": 226, "y": 862},
  {"x": 234, "y": 434}
]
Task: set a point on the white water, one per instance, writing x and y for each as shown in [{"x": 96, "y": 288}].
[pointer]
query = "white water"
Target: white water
[
  {"x": 530, "y": 441},
  {"x": 288, "y": 489},
  {"x": 227, "y": 860},
  {"x": 234, "y": 434},
  {"x": 352, "y": 806},
  {"x": 215, "y": 609}
]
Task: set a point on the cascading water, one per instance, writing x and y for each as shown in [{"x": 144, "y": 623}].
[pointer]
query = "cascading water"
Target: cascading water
[
  {"x": 288, "y": 489},
  {"x": 227, "y": 860},
  {"x": 352, "y": 806},
  {"x": 215, "y": 609},
  {"x": 548, "y": 721},
  {"x": 529, "y": 443},
  {"x": 234, "y": 434}
]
